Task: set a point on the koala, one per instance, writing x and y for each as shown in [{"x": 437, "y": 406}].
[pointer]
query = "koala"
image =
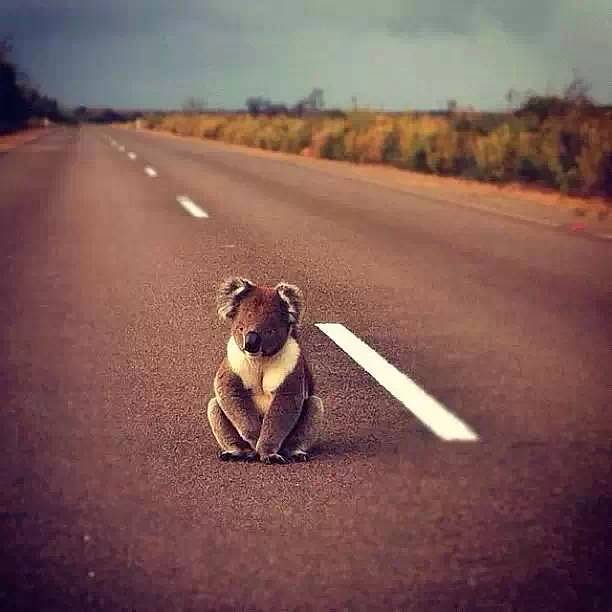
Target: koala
[{"x": 264, "y": 405}]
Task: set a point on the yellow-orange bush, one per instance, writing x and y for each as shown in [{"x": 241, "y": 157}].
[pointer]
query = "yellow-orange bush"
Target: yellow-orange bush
[
  {"x": 328, "y": 139},
  {"x": 495, "y": 153},
  {"x": 375, "y": 143},
  {"x": 594, "y": 162},
  {"x": 414, "y": 133}
]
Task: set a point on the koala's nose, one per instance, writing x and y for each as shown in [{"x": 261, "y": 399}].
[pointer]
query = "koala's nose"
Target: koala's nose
[{"x": 252, "y": 342}]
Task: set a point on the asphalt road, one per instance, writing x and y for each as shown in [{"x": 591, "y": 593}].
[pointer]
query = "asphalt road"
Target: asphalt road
[{"x": 111, "y": 493}]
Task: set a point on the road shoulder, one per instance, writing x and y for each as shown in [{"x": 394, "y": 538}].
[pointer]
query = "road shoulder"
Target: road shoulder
[{"x": 16, "y": 139}]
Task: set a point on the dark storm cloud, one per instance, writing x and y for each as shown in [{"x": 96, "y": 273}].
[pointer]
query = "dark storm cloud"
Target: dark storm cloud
[
  {"x": 33, "y": 18},
  {"x": 36, "y": 18},
  {"x": 522, "y": 17},
  {"x": 87, "y": 18}
]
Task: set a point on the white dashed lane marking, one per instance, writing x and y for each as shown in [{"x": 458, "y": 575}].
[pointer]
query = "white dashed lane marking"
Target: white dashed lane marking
[
  {"x": 434, "y": 415},
  {"x": 185, "y": 201},
  {"x": 191, "y": 207}
]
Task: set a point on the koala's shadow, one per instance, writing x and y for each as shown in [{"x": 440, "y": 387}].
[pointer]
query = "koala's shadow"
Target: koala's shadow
[{"x": 333, "y": 448}]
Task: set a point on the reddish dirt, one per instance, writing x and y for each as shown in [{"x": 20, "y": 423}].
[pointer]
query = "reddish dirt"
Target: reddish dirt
[{"x": 10, "y": 141}]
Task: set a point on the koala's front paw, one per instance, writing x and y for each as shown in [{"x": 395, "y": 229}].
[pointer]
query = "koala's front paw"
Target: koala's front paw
[
  {"x": 238, "y": 455},
  {"x": 299, "y": 455},
  {"x": 272, "y": 458}
]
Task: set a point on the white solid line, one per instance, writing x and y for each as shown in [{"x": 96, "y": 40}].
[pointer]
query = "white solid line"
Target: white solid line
[
  {"x": 150, "y": 171},
  {"x": 132, "y": 155},
  {"x": 437, "y": 418},
  {"x": 191, "y": 207}
]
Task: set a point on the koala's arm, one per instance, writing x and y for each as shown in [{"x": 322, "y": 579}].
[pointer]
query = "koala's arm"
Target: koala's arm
[
  {"x": 237, "y": 404},
  {"x": 283, "y": 413}
]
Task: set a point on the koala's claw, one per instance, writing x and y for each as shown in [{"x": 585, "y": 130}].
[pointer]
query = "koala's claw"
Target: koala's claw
[
  {"x": 299, "y": 456},
  {"x": 273, "y": 458},
  {"x": 237, "y": 455}
]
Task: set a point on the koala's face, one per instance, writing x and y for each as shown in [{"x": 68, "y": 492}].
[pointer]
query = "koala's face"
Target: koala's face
[{"x": 262, "y": 317}]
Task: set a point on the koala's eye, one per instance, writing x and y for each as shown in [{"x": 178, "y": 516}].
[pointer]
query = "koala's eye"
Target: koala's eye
[{"x": 241, "y": 328}]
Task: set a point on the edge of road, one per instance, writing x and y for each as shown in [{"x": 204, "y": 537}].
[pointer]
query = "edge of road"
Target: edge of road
[
  {"x": 515, "y": 202},
  {"x": 9, "y": 142}
]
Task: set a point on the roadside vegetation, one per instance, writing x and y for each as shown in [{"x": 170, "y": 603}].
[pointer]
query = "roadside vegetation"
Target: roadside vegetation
[
  {"x": 558, "y": 141},
  {"x": 21, "y": 104}
]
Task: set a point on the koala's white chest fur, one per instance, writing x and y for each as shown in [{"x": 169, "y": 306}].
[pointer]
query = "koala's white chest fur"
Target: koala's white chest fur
[{"x": 263, "y": 375}]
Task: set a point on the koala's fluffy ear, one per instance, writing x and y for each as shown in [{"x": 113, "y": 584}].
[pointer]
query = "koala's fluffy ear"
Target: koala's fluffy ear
[
  {"x": 293, "y": 297},
  {"x": 230, "y": 292}
]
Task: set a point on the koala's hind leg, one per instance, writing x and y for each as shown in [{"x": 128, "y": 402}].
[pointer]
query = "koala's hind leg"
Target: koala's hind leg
[
  {"x": 233, "y": 447},
  {"x": 306, "y": 430}
]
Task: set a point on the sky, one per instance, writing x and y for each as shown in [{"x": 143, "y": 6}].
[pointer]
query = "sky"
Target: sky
[{"x": 391, "y": 54}]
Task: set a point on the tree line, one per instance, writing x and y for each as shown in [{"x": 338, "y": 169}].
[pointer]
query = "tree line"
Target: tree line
[
  {"x": 312, "y": 103},
  {"x": 19, "y": 100}
]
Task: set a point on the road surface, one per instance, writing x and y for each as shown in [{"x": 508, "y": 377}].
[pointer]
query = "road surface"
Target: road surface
[{"x": 112, "y": 495}]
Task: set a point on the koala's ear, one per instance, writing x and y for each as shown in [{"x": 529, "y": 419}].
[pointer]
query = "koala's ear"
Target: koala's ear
[
  {"x": 293, "y": 297},
  {"x": 230, "y": 292}
]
